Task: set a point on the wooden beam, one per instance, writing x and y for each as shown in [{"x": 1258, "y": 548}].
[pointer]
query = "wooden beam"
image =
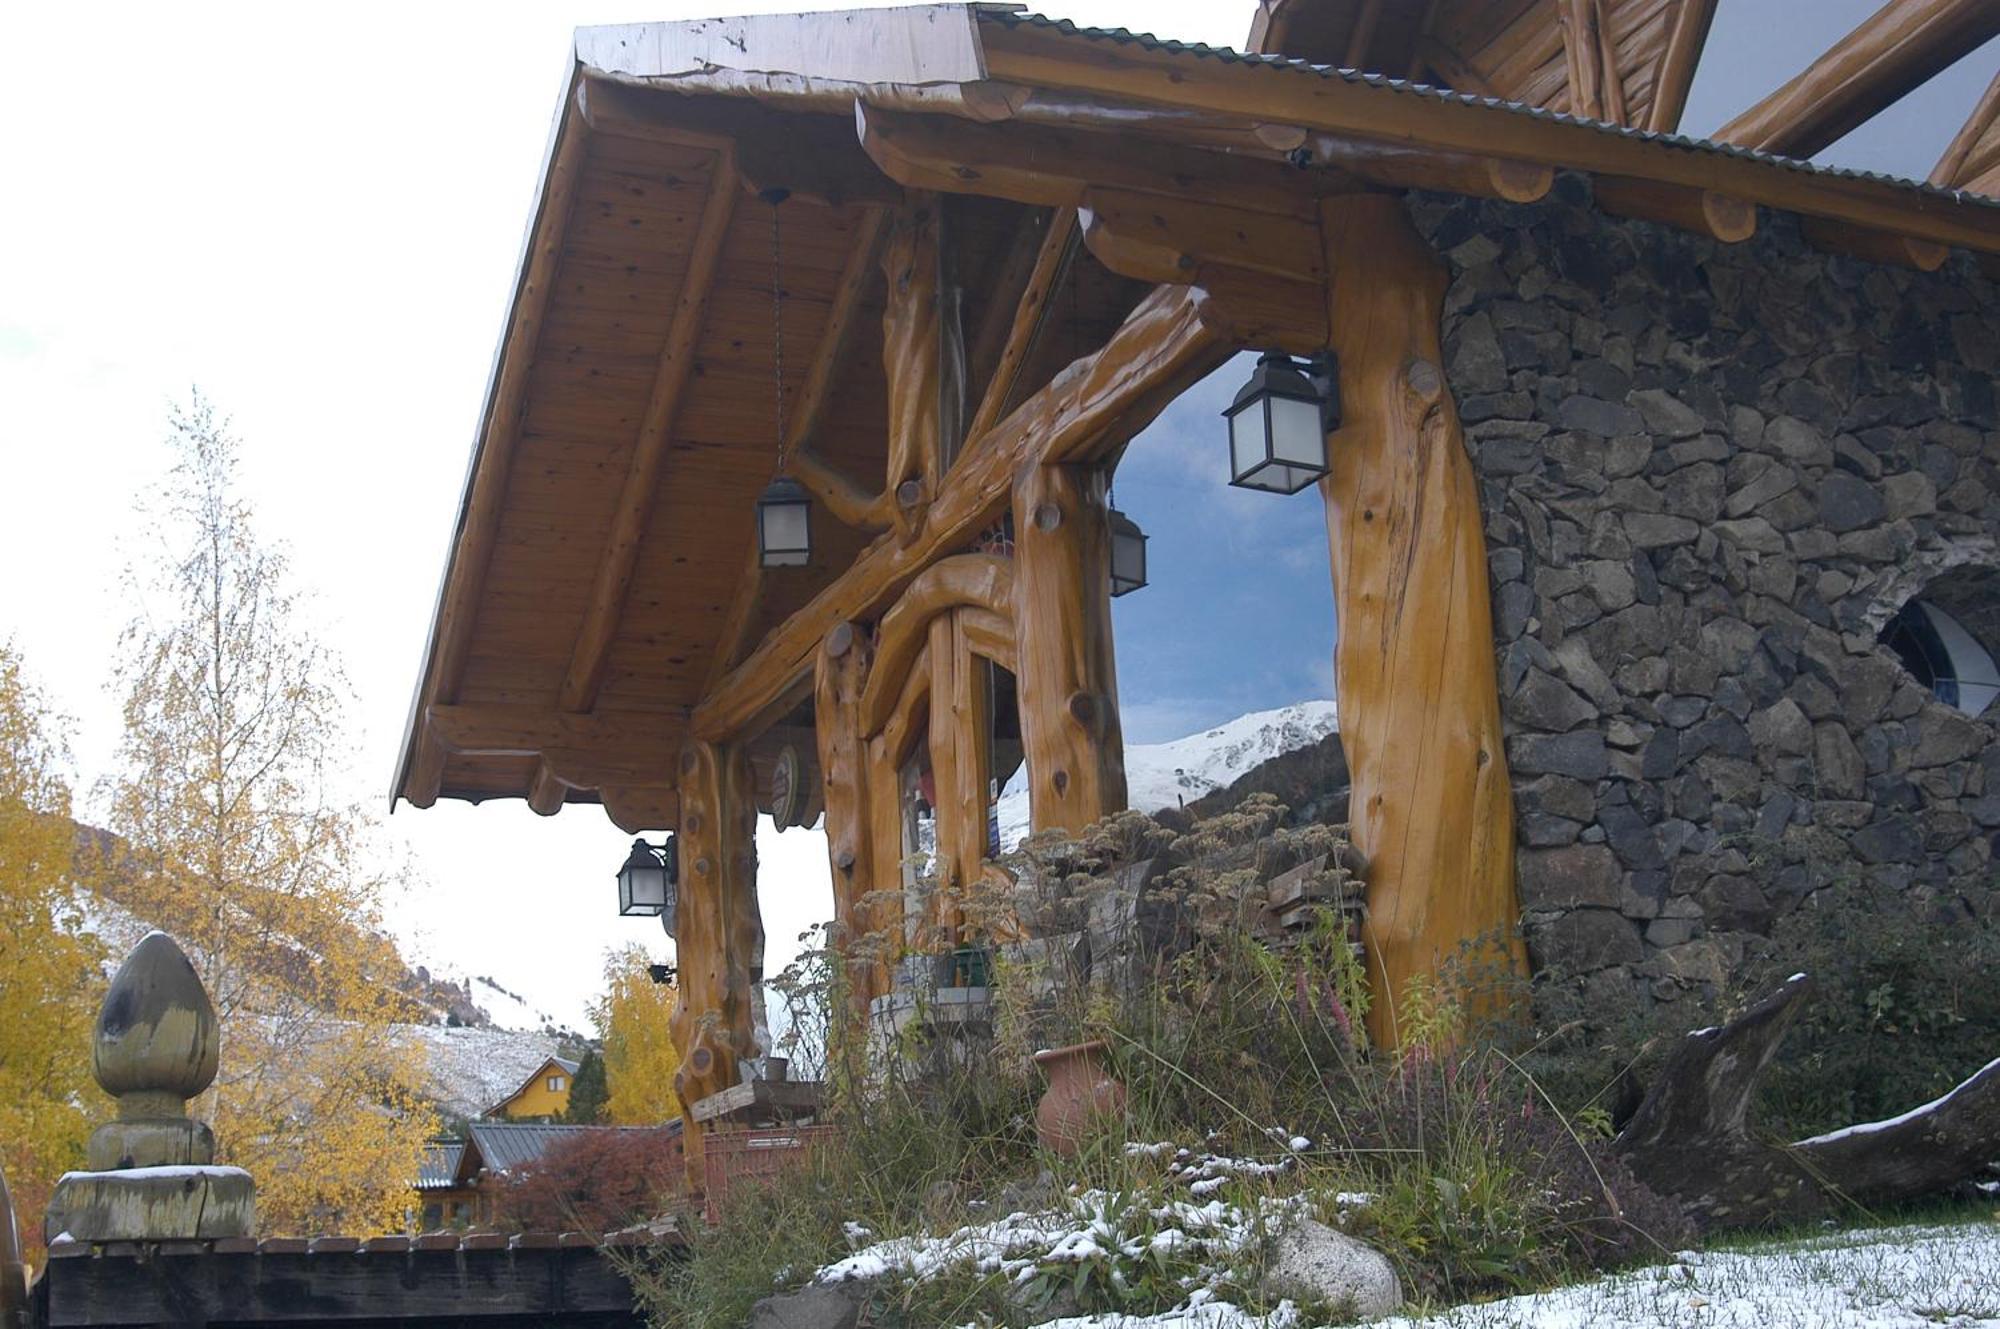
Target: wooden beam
[
  {"x": 842, "y": 497},
  {"x": 636, "y": 808},
  {"x": 1002, "y": 288},
  {"x": 1581, "y": 47},
  {"x": 494, "y": 729},
  {"x": 499, "y": 432},
  {"x": 1252, "y": 309},
  {"x": 1612, "y": 78},
  {"x": 1069, "y": 675},
  {"x": 1678, "y": 60},
  {"x": 640, "y": 490},
  {"x": 1051, "y": 167},
  {"x": 1896, "y": 49},
  {"x": 1702, "y": 211},
  {"x": 546, "y": 793},
  {"x": 810, "y": 156},
  {"x": 982, "y": 580},
  {"x": 1974, "y": 150},
  {"x": 1030, "y": 314},
  {"x": 424, "y": 779},
  {"x": 1170, "y": 240},
  {"x": 1362, "y": 111},
  {"x": 1389, "y": 164},
  {"x": 910, "y": 360},
  {"x": 718, "y": 928},
  {"x": 1089, "y": 409},
  {"x": 1874, "y": 246},
  {"x": 1420, "y": 705},
  {"x": 1456, "y": 71}
]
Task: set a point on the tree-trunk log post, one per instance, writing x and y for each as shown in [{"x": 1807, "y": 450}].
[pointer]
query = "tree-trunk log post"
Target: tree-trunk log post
[
  {"x": 718, "y": 929},
  {"x": 1692, "y": 1137},
  {"x": 843, "y": 761},
  {"x": 911, "y": 343},
  {"x": 1069, "y": 672},
  {"x": 1419, "y": 695}
]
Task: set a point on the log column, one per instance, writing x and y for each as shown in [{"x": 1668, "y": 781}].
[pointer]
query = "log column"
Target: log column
[
  {"x": 1069, "y": 673},
  {"x": 719, "y": 930},
  {"x": 1419, "y": 695},
  {"x": 851, "y": 846},
  {"x": 911, "y": 340}
]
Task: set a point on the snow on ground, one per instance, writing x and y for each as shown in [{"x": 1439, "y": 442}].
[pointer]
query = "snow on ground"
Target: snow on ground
[
  {"x": 1165, "y": 775},
  {"x": 1885, "y": 1278}
]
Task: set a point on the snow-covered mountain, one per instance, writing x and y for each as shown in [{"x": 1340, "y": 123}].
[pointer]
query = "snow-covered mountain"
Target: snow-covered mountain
[{"x": 1166, "y": 775}]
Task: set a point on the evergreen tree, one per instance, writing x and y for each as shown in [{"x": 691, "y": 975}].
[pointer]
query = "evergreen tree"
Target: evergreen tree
[{"x": 588, "y": 1092}]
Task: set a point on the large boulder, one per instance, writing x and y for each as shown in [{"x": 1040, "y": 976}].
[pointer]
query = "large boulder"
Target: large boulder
[{"x": 1315, "y": 1263}]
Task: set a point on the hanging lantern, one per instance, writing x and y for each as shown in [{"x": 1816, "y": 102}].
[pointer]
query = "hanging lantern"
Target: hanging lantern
[
  {"x": 784, "y": 524},
  {"x": 1128, "y": 554},
  {"x": 784, "y": 509},
  {"x": 649, "y": 882},
  {"x": 1278, "y": 425}
]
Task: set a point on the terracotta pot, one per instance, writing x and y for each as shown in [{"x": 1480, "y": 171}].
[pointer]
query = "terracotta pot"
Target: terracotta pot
[{"x": 1081, "y": 1092}]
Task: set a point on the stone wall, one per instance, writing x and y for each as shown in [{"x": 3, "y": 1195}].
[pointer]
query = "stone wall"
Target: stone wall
[{"x": 1710, "y": 475}]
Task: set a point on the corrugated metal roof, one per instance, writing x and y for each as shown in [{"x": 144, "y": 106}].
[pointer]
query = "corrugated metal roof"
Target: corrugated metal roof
[
  {"x": 500, "y": 1147},
  {"x": 439, "y": 1165},
  {"x": 1201, "y": 50}
]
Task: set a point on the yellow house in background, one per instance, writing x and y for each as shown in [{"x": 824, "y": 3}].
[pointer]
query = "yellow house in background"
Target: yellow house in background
[{"x": 545, "y": 1094}]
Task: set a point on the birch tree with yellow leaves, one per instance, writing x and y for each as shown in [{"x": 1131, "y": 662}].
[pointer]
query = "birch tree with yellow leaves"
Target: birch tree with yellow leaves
[
  {"x": 51, "y": 976},
  {"x": 639, "y": 1054},
  {"x": 237, "y": 843}
]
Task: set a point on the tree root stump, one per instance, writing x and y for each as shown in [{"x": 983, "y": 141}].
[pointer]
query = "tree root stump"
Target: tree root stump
[{"x": 1691, "y": 1137}]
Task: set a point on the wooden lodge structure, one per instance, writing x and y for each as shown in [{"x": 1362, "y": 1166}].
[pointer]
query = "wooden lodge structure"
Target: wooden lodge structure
[{"x": 940, "y": 265}]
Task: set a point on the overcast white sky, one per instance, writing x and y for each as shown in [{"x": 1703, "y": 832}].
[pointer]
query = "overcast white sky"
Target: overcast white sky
[{"x": 314, "y": 214}]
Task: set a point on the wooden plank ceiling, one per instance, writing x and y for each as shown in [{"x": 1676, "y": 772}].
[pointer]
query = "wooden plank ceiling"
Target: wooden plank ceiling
[{"x": 599, "y": 594}]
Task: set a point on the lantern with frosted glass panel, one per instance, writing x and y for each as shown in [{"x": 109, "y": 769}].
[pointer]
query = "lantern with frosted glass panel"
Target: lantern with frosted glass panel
[
  {"x": 1279, "y": 422},
  {"x": 649, "y": 882},
  {"x": 1128, "y": 554},
  {"x": 784, "y": 524}
]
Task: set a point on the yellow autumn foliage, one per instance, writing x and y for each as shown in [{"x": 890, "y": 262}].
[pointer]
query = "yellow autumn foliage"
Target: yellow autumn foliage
[
  {"x": 51, "y": 977},
  {"x": 639, "y": 1055},
  {"x": 238, "y": 844}
]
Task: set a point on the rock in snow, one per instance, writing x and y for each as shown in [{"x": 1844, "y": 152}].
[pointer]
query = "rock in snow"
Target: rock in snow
[{"x": 1315, "y": 1263}]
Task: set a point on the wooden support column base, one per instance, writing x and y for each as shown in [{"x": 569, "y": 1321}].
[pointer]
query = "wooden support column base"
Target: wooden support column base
[
  {"x": 1419, "y": 700},
  {"x": 718, "y": 929}
]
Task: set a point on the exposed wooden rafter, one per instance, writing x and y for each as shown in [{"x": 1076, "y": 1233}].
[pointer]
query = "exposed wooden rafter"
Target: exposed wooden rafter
[
  {"x": 638, "y": 493},
  {"x": 1678, "y": 61},
  {"x": 1053, "y": 253},
  {"x": 1703, "y": 211},
  {"x": 1972, "y": 159},
  {"x": 1896, "y": 49},
  {"x": 466, "y": 577}
]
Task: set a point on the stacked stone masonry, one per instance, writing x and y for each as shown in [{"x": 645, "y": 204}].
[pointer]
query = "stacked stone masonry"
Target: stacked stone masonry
[{"x": 1710, "y": 475}]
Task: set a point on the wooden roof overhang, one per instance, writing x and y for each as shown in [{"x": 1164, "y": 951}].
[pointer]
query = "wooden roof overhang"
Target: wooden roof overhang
[{"x": 601, "y": 602}]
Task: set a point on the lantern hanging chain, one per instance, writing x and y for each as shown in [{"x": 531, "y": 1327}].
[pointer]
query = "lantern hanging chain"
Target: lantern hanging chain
[{"x": 778, "y": 330}]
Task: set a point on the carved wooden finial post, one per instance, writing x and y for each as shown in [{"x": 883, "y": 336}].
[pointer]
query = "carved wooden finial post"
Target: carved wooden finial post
[{"x": 152, "y": 1174}]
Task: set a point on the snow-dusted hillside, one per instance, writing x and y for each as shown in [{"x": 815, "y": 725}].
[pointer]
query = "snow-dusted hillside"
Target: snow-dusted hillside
[
  {"x": 1165, "y": 775},
  {"x": 472, "y": 1069}
]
